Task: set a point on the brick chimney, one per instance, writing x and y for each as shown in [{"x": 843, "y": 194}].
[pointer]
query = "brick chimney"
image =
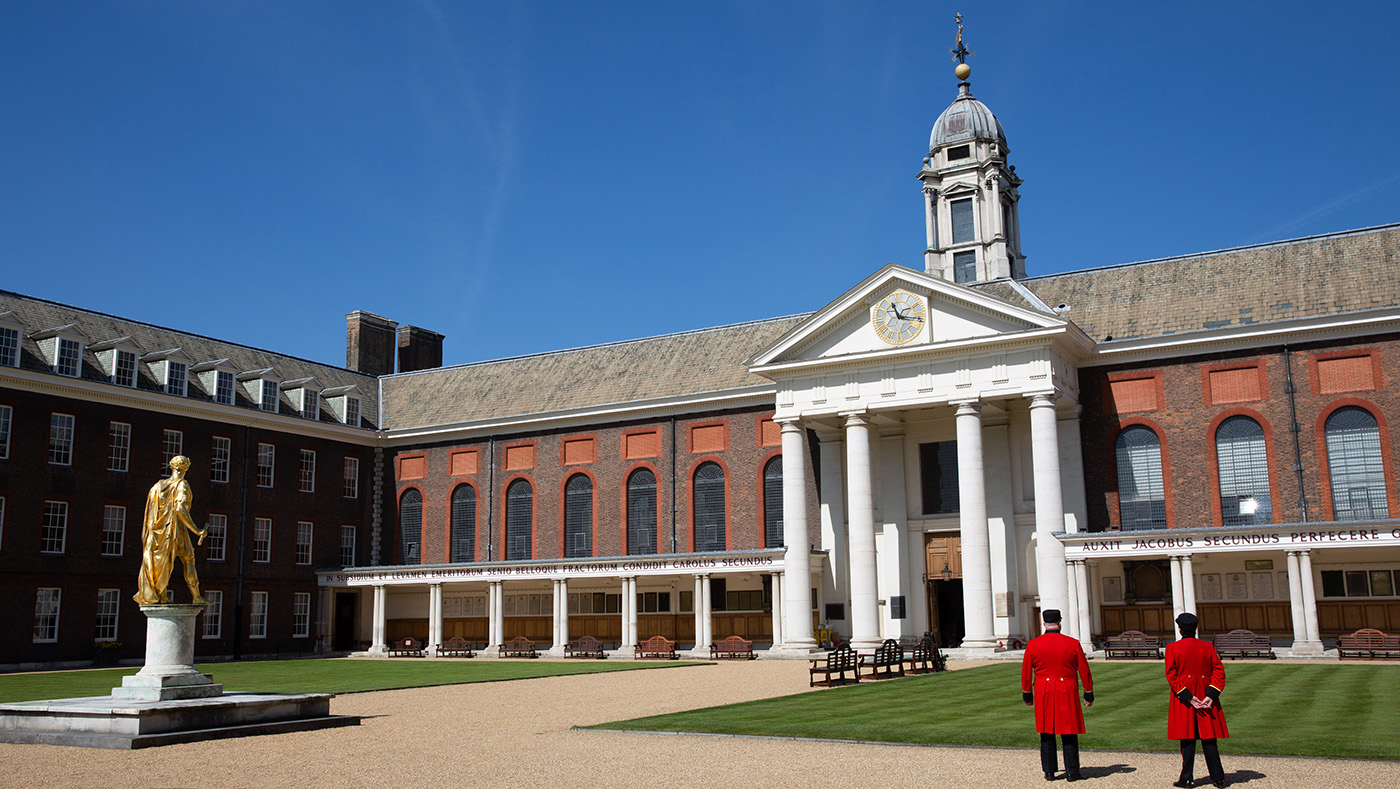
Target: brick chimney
[
  {"x": 370, "y": 343},
  {"x": 419, "y": 349}
]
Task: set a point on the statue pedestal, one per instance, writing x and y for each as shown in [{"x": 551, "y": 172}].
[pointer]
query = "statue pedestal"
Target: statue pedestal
[{"x": 169, "y": 673}]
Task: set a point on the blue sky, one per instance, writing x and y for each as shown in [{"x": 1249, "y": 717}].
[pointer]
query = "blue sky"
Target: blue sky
[{"x": 527, "y": 176}]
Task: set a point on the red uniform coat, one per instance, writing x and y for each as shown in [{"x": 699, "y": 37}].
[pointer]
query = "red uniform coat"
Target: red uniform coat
[
  {"x": 1057, "y": 663},
  {"x": 1193, "y": 665}
]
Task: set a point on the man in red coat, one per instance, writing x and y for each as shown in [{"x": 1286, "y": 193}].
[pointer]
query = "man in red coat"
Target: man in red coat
[
  {"x": 1050, "y": 674},
  {"x": 1196, "y": 677}
]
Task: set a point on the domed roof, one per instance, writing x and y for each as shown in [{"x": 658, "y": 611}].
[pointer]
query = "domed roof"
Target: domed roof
[{"x": 966, "y": 119}]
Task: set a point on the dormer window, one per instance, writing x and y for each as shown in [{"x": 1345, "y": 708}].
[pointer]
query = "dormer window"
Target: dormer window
[
  {"x": 344, "y": 403},
  {"x": 171, "y": 368},
  {"x": 306, "y": 394},
  {"x": 262, "y": 388},
  {"x": 117, "y": 358},
  {"x": 176, "y": 378},
  {"x": 10, "y": 328},
  {"x": 216, "y": 378},
  {"x": 124, "y": 368},
  {"x": 62, "y": 349},
  {"x": 352, "y": 411},
  {"x": 310, "y": 404},
  {"x": 70, "y": 358},
  {"x": 269, "y": 398}
]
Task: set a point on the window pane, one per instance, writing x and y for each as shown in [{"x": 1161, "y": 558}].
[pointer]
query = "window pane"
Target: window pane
[
  {"x": 464, "y": 524},
  {"x": 578, "y": 517},
  {"x": 1141, "y": 500},
  {"x": 641, "y": 512},
  {"x": 1244, "y": 472},
  {"x": 411, "y": 526},
  {"x": 773, "y": 503},
  {"x": 1354, "y": 465},
  {"x": 963, "y": 229},
  {"x": 520, "y": 501},
  {"x": 965, "y": 266},
  {"x": 938, "y": 476},
  {"x": 709, "y": 508},
  {"x": 1380, "y": 583},
  {"x": 1332, "y": 584},
  {"x": 1357, "y": 585}
]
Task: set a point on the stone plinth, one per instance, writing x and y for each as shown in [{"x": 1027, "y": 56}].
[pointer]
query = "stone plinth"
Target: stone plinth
[{"x": 169, "y": 673}]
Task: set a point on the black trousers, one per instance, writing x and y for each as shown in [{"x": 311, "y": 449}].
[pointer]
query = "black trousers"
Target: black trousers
[
  {"x": 1047, "y": 753},
  {"x": 1188, "y": 759}
]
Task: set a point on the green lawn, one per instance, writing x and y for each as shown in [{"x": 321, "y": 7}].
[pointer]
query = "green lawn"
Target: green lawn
[
  {"x": 315, "y": 676},
  {"x": 1290, "y": 709}
]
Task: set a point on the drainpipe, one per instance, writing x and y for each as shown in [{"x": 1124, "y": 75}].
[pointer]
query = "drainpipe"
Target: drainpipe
[
  {"x": 675, "y": 504},
  {"x": 1295, "y": 429},
  {"x": 242, "y": 540},
  {"x": 490, "y": 492}
]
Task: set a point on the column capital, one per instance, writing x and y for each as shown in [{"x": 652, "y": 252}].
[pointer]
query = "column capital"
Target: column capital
[
  {"x": 967, "y": 407},
  {"x": 855, "y": 418},
  {"x": 789, "y": 424},
  {"x": 1043, "y": 400}
]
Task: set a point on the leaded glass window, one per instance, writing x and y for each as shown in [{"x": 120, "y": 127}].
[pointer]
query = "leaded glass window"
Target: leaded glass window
[
  {"x": 709, "y": 509},
  {"x": 1354, "y": 465},
  {"x": 411, "y": 526},
  {"x": 641, "y": 512},
  {"x": 520, "y": 509},
  {"x": 464, "y": 524},
  {"x": 1142, "y": 502},
  {"x": 773, "y": 503},
  {"x": 578, "y": 517},
  {"x": 1243, "y": 463}
]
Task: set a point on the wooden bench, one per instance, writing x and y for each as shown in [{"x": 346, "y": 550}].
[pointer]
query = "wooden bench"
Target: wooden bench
[
  {"x": 409, "y": 647},
  {"x": 924, "y": 658},
  {"x": 833, "y": 668},
  {"x": 584, "y": 647},
  {"x": 732, "y": 648},
  {"x": 887, "y": 661},
  {"x": 520, "y": 646},
  {"x": 1132, "y": 644},
  {"x": 455, "y": 646},
  {"x": 1242, "y": 644},
  {"x": 1368, "y": 644},
  {"x": 656, "y": 648}
]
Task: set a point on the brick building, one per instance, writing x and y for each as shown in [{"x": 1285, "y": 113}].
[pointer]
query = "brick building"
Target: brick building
[{"x": 947, "y": 450}]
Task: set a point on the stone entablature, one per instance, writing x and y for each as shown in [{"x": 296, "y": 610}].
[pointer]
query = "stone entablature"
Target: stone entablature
[{"x": 1275, "y": 537}]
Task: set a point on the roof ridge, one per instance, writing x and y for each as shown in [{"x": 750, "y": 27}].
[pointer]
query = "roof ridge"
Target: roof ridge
[
  {"x": 612, "y": 344},
  {"x": 179, "y": 332},
  {"x": 1226, "y": 250}
]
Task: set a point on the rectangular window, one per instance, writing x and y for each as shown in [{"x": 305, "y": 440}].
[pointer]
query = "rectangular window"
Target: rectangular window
[
  {"x": 310, "y": 404},
  {"x": 269, "y": 396},
  {"x": 262, "y": 540},
  {"x": 106, "y": 629},
  {"x": 223, "y": 387},
  {"x": 965, "y": 266},
  {"x": 267, "y": 453},
  {"x": 6, "y": 414},
  {"x": 347, "y": 546},
  {"x": 301, "y": 614},
  {"x": 257, "y": 617},
  {"x": 306, "y": 479},
  {"x": 124, "y": 369},
  {"x": 118, "y": 446},
  {"x": 216, "y": 539},
  {"x": 61, "y": 439},
  {"x": 352, "y": 478},
  {"x": 352, "y": 411},
  {"x": 964, "y": 230},
  {"x": 70, "y": 358},
  {"x": 46, "y": 615},
  {"x": 220, "y": 452},
  {"x": 938, "y": 476},
  {"x": 176, "y": 375},
  {"x": 304, "y": 531},
  {"x": 171, "y": 445},
  {"x": 55, "y": 527},
  {"x": 213, "y": 613},
  {"x": 113, "y": 529},
  {"x": 9, "y": 347}
]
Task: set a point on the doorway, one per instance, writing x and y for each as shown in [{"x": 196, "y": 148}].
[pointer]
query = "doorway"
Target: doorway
[
  {"x": 945, "y": 611},
  {"x": 343, "y": 639}
]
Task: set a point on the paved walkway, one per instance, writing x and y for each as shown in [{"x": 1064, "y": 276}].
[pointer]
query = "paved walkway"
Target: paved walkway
[{"x": 519, "y": 734}]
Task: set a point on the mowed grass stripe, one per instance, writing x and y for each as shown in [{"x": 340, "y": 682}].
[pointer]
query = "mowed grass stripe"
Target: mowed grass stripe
[
  {"x": 1287, "y": 709},
  {"x": 316, "y": 676}
]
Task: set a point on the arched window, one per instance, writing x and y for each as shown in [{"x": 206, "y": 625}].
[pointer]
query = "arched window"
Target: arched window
[
  {"x": 464, "y": 524},
  {"x": 773, "y": 503},
  {"x": 411, "y": 525},
  {"x": 708, "y": 494},
  {"x": 1141, "y": 501},
  {"x": 1354, "y": 463},
  {"x": 520, "y": 509},
  {"x": 578, "y": 516},
  {"x": 1244, "y": 472},
  {"x": 641, "y": 512}
]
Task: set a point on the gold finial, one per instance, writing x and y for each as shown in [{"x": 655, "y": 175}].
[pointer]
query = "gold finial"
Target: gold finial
[{"x": 960, "y": 53}]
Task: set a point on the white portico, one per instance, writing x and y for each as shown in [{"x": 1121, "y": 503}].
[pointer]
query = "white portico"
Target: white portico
[{"x": 905, "y": 366}]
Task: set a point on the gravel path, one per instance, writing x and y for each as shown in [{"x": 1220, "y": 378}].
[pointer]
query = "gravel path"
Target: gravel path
[{"x": 518, "y": 734}]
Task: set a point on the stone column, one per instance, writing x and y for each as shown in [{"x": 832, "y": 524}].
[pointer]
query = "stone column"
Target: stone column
[
  {"x": 434, "y": 618},
  {"x": 698, "y": 606},
  {"x": 169, "y": 673},
  {"x": 778, "y": 610},
  {"x": 1295, "y": 600},
  {"x": 1188, "y": 584},
  {"x": 561, "y": 595},
  {"x": 797, "y": 553},
  {"x": 972, "y": 521},
  {"x": 326, "y": 621},
  {"x": 1095, "y": 604},
  {"x": 1178, "y": 595},
  {"x": 833, "y": 513},
  {"x": 707, "y": 619},
  {"x": 1314, "y": 643},
  {"x": 377, "y": 645},
  {"x": 631, "y": 585},
  {"x": 1051, "y": 576},
  {"x": 494, "y": 618},
  {"x": 865, "y": 607},
  {"x": 1071, "y": 616},
  {"x": 1083, "y": 594}
]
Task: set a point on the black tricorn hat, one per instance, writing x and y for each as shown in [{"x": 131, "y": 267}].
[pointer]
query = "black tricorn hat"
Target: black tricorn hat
[
  {"x": 1050, "y": 615},
  {"x": 1187, "y": 620}
]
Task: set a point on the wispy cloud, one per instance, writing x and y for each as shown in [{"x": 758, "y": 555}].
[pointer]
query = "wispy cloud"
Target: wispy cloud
[{"x": 1291, "y": 227}]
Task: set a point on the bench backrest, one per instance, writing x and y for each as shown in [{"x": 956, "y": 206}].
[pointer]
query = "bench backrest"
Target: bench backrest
[
  {"x": 1239, "y": 638},
  {"x": 657, "y": 644},
  {"x": 587, "y": 642},
  {"x": 889, "y": 651},
  {"x": 520, "y": 642},
  {"x": 409, "y": 643},
  {"x": 1134, "y": 637},
  {"x": 1367, "y": 636},
  {"x": 457, "y": 642},
  {"x": 842, "y": 657},
  {"x": 734, "y": 642}
]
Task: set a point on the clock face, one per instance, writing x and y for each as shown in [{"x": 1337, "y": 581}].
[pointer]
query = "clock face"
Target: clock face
[{"x": 899, "y": 317}]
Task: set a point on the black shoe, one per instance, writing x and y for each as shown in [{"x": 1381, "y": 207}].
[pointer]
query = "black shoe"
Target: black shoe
[
  {"x": 1219, "y": 784},
  {"x": 1184, "y": 784},
  {"x": 1074, "y": 777},
  {"x": 1049, "y": 776}
]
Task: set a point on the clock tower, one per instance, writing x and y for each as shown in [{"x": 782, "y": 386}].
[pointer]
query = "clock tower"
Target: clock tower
[{"x": 970, "y": 192}]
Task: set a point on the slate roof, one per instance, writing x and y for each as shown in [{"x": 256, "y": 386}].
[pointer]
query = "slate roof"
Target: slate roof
[
  {"x": 1331, "y": 274},
  {"x": 95, "y": 328},
  {"x": 693, "y": 362}
]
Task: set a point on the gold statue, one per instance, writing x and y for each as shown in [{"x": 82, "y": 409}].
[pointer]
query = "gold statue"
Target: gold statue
[{"x": 164, "y": 538}]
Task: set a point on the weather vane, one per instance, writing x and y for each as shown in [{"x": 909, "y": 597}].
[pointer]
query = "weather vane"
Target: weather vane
[{"x": 960, "y": 52}]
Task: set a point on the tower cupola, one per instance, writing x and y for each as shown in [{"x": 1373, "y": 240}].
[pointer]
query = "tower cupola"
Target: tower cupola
[{"x": 970, "y": 192}]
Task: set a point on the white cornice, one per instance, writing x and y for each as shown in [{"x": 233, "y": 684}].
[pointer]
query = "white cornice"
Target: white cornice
[
  {"x": 1059, "y": 335},
  {"x": 109, "y": 394},
  {"x": 1253, "y": 335}
]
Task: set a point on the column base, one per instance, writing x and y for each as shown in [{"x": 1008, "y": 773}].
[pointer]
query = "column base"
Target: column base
[
  {"x": 791, "y": 651},
  {"x": 555, "y": 651},
  {"x": 1306, "y": 649},
  {"x": 859, "y": 644},
  {"x": 987, "y": 644},
  {"x": 492, "y": 651},
  {"x": 628, "y": 651},
  {"x": 378, "y": 650}
]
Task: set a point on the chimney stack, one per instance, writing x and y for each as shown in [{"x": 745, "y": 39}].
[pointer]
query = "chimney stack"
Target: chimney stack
[
  {"x": 419, "y": 349},
  {"x": 370, "y": 343}
]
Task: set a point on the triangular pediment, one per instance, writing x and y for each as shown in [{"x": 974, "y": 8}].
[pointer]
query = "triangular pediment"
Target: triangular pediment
[{"x": 899, "y": 310}]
